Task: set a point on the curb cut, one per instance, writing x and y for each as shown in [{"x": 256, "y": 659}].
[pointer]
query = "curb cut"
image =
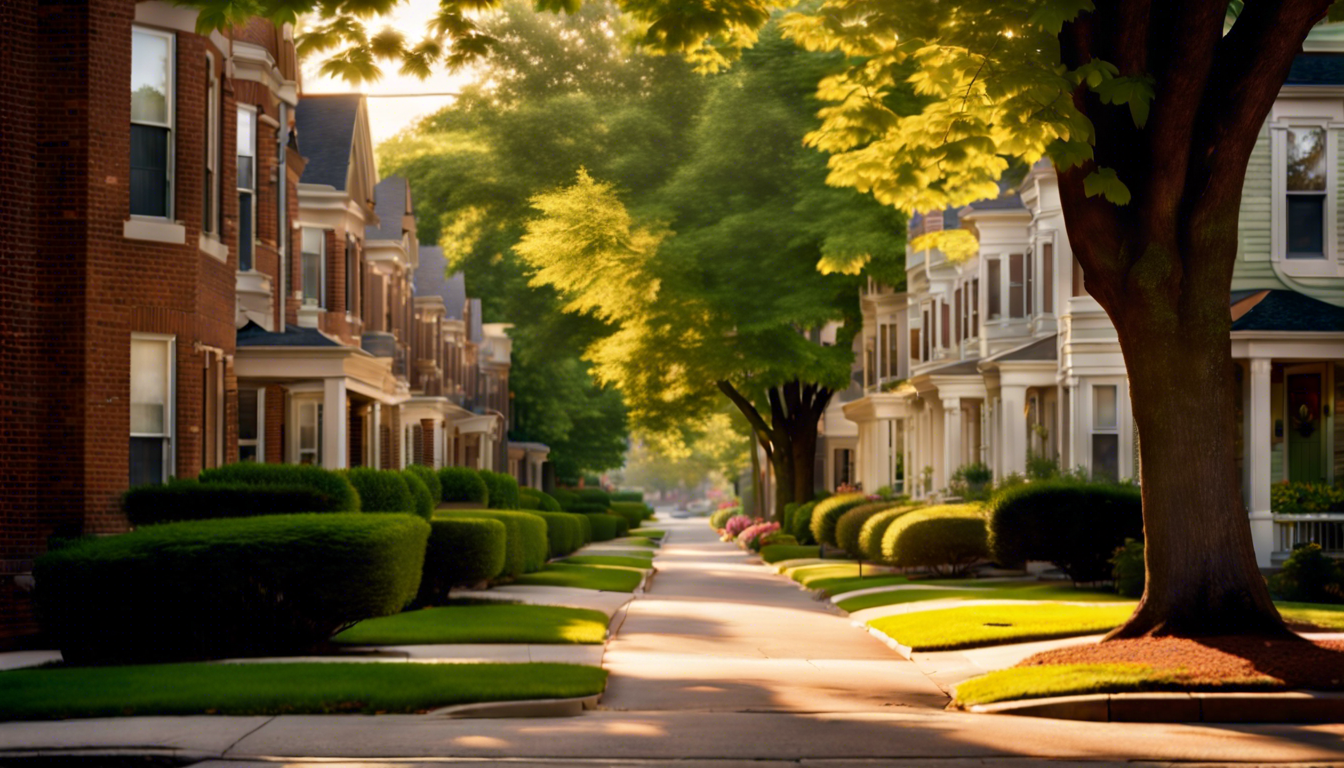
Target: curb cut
[
  {"x": 904, "y": 650},
  {"x": 1196, "y": 707},
  {"x": 523, "y": 708}
]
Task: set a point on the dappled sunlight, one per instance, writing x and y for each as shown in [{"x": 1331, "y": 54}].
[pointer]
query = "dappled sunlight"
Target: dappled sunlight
[{"x": 480, "y": 741}]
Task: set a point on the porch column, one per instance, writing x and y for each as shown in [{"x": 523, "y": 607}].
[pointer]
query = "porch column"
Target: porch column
[
  {"x": 1257, "y": 448},
  {"x": 335, "y": 424},
  {"x": 1014, "y": 429},
  {"x": 951, "y": 437}
]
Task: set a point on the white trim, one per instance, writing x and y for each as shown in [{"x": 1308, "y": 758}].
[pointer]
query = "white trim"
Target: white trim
[
  {"x": 182, "y": 19},
  {"x": 211, "y": 246},
  {"x": 1304, "y": 114},
  {"x": 154, "y": 230},
  {"x": 170, "y": 99},
  {"x": 169, "y": 434}
]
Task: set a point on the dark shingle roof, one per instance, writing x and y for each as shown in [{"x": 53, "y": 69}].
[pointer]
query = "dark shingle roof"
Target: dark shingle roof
[
  {"x": 253, "y": 335},
  {"x": 430, "y": 280},
  {"x": 1317, "y": 69},
  {"x": 1243, "y": 295},
  {"x": 1041, "y": 349},
  {"x": 1284, "y": 310},
  {"x": 325, "y": 124},
  {"x": 389, "y": 202}
]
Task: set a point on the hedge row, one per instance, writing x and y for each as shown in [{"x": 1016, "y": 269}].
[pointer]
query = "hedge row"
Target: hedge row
[
  {"x": 1076, "y": 526},
  {"x": 800, "y": 524},
  {"x": 233, "y": 587},
  {"x": 634, "y": 512},
  {"x": 420, "y": 494},
  {"x": 827, "y": 513},
  {"x": 870, "y": 536},
  {"x": 338, "y": 490},
  {"x": 569, "y": 497},
  {"x": 461, "y": 552},
  {"x": 380, "y": 490},
  {"x": 464, "y": 485},
  {"x": 503, "y": 489},
  {"x": 431, "y": 480},
  {"x": 564, "y": 532},
  {"x": 180, "y": 500},
  {"x": 531, "y": 498},
  {"x": 524, "y": 538},
  {"x": 850, "y": 526},
  {"x": 627, "y": 496},
  {"x": 947, "y": 539},
  {"x": 607, "y": 527}
]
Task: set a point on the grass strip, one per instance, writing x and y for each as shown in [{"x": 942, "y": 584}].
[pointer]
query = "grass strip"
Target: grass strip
[
  {"x": 1320, "y": 615},
  {"x": 774, "y": 553},
  {"x": 608, "y": 578},
  {"x": 979, "y": 625},
  {"x": 1078, "y": 679},
  {"x": 629, "y": 562},
  {"x": 648, "y": 533},
  {"x": 486, "y": 623},
  {"x": 988, "y": 592},
  {"x": 633, "y": 540},
  {"x": 279, "y": 689}
]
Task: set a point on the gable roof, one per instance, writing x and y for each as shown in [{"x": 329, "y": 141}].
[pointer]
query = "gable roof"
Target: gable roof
[
  {"x": 1317, "y": 69},
  {"x": 1282, "y": 310},
  {"x": 325, "y": 125},
  {"x": 431, "y": 280},
  {"x": 391, "y": 201},
  {"x": 253, "y": 335}
]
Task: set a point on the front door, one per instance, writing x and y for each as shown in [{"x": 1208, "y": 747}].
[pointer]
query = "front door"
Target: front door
[{"x": 1305, "y": 425}]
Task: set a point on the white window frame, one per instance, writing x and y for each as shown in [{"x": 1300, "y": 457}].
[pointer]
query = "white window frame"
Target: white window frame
[
  {"x": 1124, "y": 439},
  {"x": 298, "y": 403},
  {"x": 168, "y": 435},
  {"x": 249, "y": 109},
  {"x": 321, "y": 266},
  {"x": 260, "y": 441},
  {"x": 210, "y": 225},
  {"x": 170, "y": 205},
  {"x": 1328, "y": 266}
]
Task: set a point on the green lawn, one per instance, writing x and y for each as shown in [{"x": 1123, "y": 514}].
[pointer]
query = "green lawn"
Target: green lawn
[
  {"x": 980, "y": 625},
  {"x": 1000, "y": 591},
  {"x": 490, "y": 623},
  {"x": 842, "y": 576},
  {"x": 275, "y": 689},
  {"x": 774, "y": 553},
  {"x": 648, "y": 533},
  {"x": 629, "y": 562},
  {"x": 1326, "y": 617},
  {"x": 1077, "y": 679},
  {"x": 609, "y": 578},
  {"x": 633, "y": 540}
]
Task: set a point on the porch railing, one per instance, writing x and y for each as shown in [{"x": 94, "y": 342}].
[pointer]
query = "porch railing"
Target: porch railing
[{"x": 1325, "y": 529}]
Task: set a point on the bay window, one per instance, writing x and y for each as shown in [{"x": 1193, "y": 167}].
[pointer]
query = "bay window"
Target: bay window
[{"x": 153, "y": 70}]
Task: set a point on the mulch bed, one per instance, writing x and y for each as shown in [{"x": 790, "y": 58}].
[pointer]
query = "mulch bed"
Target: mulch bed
[{"x": 1218, "y": 661}]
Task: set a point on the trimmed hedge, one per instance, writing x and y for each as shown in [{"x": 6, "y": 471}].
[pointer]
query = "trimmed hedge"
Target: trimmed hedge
[
  {"x": 180, "y": 500},
  {"x": 584, "y": 508},
  {"x": 827, "y": 513},
  {"x": 503, "y": 489},
  {"x": 529, "y": 503},
  {"x": 946, "y": 539},
  {"x": 525, "y": 538},
  {"x": 548, "y": 502},
  {"x": 634, "y": 512},
  {"x": 802, "y": 523},
  {"x": 430, "y": 478},
  {"x": 850, "y": 525},
  {"x": 606, "y": 527},
  {"x": 789, "y": 510},
  {"x": 461, "y": 552},
  {"x": 461, "y": 484},
  {"x": 218, "y": 588},
  {"x": 870, "y": 536},
  {"x": 565, "y": 498},
  {"x": 1076, "y": 526},
  {"x": 381, "y": 490},
  {"x": 627, "y": 496},
  {"x": 586, "y": 525},
  {"x": 564, "y": 532},
  {"x": 592, "y": 496},
  {"x": 420, "y": 494},
  {"x": 720, "y": 518},
  {"x": 338, "y": 490}
]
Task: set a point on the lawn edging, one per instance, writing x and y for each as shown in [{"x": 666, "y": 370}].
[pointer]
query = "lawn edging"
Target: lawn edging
[
  {"x": 1176, "y": 707},
  {"x": 519, "y": 709}
]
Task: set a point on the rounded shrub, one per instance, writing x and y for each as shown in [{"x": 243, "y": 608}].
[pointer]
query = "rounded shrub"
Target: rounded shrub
[
  {"x": 632, "y": 511},
  {"x": 605, "y": 527},
  {"x": 585, "y": 525},
  {"x": 461, "y": 552},
  {"x": 802, "y": 523},
  {"x": 218, "y": 588},
  {"x": 1129, "y": 570},
  {"x": 827, "y": 513},
  {"x": 430, "y": 478},
  {"x": 1076, "y": 526},
  {"x": 381, "y": 490},
  {"x": 789, "y": 510},
  {"x": 850, "y": 525},
  {"x": 720, "y": 518},
  {"x": 946, "y": 539},
  {"x": 340, "y": 493},
  {"x": 627, "y": 496},
  {"x": 564, "y": 532},
  {"x": 503, "y": 489},
  {"x": 525, "y": 538},
  {"x": 463, "y": 485},
  {"x": 529, "y": 503},
  {"x": 421, "y": 496},
  {"x": 593, "y": 496},
  {"x": 1309, "y": 575},
  {"x": 870, "y": 536},
  {"x": 180, "y": 500},
  {"x": 565, "y": 498},
  {"x": 584, "y": 508}
]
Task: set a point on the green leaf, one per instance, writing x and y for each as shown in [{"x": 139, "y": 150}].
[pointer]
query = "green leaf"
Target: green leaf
[
  {"x": 1052, "y": 16},
  {"x": 1137, "y": 92},
  {"x": 1066, "y": 154},
  {"x": 1103, "y": 181},
  {"x": 1336, "y": 12}
]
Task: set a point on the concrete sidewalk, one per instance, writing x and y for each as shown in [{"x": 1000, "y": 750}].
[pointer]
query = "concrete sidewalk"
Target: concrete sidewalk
[{"x": 717, "y": 633}]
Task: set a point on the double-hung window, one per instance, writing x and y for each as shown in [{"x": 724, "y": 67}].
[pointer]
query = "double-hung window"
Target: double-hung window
[
  {"x": 993, "y": 277},
  {"x": 1015, "y": 287},
  {"x": 251, "y": 424},
  {"x": 1106, "y": 431},
  {"x": 314, "y": 258},
  {"x": 210, "y": 193},
  {"x": 247, "y": 185},
  {"x": 153, "y": 89},
  {"x": 152, "y": 408},
  {"x": 310, "y": 431},
  {"x": 1305, "y": 189}
]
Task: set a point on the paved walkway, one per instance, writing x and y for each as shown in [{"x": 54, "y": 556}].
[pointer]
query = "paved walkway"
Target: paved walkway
[{"x": 719, "y": 633}]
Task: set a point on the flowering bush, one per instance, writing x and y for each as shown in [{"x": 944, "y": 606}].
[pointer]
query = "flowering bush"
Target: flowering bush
[
  {"x": 729, "y": 503},
  {"x": 737, "y": 525},
  {"x": 750, "y": 538},
  {"x": 1305, "y": 498}
]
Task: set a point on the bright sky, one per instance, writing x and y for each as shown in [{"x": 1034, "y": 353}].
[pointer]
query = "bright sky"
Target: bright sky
[{"x": 387, "y": 116}]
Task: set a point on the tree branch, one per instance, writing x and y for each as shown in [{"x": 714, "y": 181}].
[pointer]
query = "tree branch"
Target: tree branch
[{"x": 745, "y": 406}]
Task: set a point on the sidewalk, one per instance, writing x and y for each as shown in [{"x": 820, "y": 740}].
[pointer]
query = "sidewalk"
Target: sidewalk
[{"x": 717, "y": 633}]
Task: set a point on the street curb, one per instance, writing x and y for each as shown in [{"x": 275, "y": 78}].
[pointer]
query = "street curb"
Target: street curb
[
  {"x": 519, "y": 709},
  {"x": 1195, "y": 707},
  {"x": 887, "y": 640}
]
